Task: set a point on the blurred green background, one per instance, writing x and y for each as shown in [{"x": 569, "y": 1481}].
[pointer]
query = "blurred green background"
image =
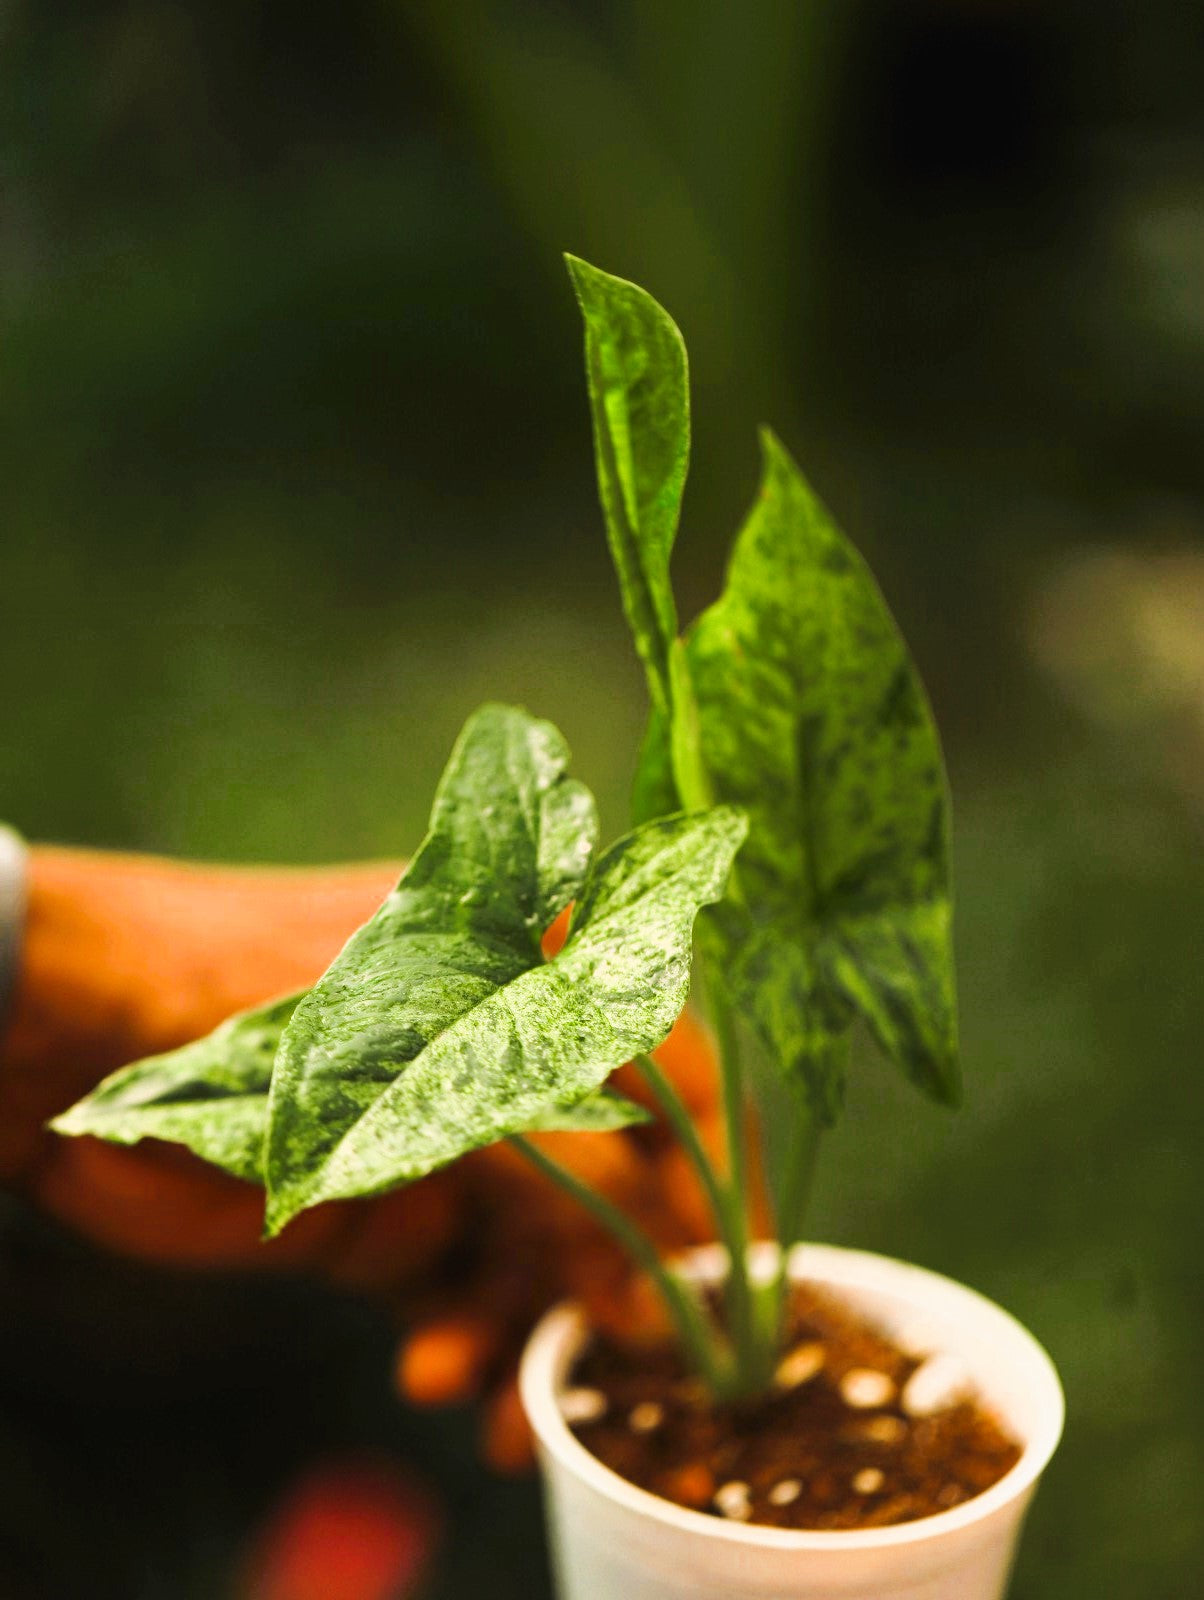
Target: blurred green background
[{"x": 295, "y": 469}]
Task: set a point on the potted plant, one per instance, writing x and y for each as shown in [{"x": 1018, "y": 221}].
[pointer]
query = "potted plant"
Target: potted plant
[{"x": 791, "y": 843}]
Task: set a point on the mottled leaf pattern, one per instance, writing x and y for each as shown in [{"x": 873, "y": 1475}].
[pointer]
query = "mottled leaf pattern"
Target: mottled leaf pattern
[
  {"x": 815, "y": 721},
  {"x": 440, "y": 1028},
  {"x": 211, "y": 1095},
  {"x": 639, "y": 397},
  {"x": 509, "y": 843},
  {"x": 371, "y": 1092},
  {"x": 603, "y": 1112}
]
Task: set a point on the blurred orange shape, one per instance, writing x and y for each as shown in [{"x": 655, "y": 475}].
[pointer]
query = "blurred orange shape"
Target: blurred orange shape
[{"x": 352, "y": 1531}]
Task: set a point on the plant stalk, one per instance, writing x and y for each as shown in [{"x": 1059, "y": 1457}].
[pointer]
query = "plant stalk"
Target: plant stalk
[
  {"x": 796, "y": 1194},
  {"x": 684, "y": 1127},
  {"x": 697, "y": 1339},
  {"x": 738, "y": 1300},
  {"x": 695, "y": 791}
]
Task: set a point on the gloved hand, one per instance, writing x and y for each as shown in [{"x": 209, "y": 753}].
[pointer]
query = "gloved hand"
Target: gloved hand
[{"x": 126, "y": 956}]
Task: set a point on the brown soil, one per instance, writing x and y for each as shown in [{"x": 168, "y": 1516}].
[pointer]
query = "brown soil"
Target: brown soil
[{"x": 865, "y": 1466}]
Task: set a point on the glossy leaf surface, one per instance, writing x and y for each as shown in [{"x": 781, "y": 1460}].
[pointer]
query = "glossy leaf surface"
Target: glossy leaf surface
[
  {"x": 441, "y": 1028},
  {"x": 639, "y": 399},
  {"x": 210, "y": 1095},
  {"x": 814, "y": 720}
]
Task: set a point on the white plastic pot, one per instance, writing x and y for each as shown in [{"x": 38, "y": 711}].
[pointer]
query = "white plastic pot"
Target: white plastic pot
[{"x": 612, "y": 1541}]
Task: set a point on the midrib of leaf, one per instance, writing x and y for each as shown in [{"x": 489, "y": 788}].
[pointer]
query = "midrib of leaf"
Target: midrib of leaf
[{"x": 413, "y": 1068}]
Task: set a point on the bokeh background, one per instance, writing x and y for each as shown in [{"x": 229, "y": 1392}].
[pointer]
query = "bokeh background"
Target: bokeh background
[{"x": 295, "y": 469}]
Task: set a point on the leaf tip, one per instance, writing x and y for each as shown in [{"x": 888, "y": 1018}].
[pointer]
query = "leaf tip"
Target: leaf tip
[
  {"x": 595, "y": 289},
  {"x": 581, "y": 273},
  {"x": 278, "y": 1212},
  {"x": 604, "y": 295},
  {"x": 283, "y": 1197},
  {"x": 775, "y": 458}
]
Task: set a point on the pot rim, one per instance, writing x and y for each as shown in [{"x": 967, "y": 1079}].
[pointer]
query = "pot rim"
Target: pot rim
[{"x": 830, "y": 1265}]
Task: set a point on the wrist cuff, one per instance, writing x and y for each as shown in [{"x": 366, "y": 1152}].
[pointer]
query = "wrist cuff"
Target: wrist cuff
[{"x": 12, "y": 914}]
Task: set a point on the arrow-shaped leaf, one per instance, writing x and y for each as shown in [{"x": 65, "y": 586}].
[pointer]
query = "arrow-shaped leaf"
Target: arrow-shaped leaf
[
  {"x": 814, "y": 720},
  {"x": 418, "y": 1047},
  {"x": 521, "y": 834}
]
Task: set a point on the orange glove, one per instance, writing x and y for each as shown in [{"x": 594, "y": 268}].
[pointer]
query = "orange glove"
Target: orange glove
[{"x": 126, "y": 956}]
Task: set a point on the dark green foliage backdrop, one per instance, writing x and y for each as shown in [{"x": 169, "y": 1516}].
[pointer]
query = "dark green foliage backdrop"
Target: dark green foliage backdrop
[{"x": 295, "y": 470}]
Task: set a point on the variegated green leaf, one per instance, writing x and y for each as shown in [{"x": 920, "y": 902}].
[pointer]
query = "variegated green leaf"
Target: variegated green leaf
[
  {"x": 210, "y": 1095},
  {"x": 419, "y": 1046},
  {"x": 603, "y": 1112},
  {"x": 814, "y": 720},
  {"x": 639, "y": 397}
]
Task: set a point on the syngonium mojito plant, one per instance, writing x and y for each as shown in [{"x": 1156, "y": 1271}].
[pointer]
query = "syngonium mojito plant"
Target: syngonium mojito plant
[{"x": 791, "y": 834}]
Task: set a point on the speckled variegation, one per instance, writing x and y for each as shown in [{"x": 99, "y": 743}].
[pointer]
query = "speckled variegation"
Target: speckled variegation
[
  {"x": 639, "y": 399},
  {"x": 441, "y": 1028},
  {"x": 814, "y": 720},
  {"x": 211, "y": 1095}
]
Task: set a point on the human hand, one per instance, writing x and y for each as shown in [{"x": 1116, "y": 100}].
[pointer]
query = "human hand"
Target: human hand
[
  {"x": 125, "y": 956},
  {"x": 121, "y": 961}
]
